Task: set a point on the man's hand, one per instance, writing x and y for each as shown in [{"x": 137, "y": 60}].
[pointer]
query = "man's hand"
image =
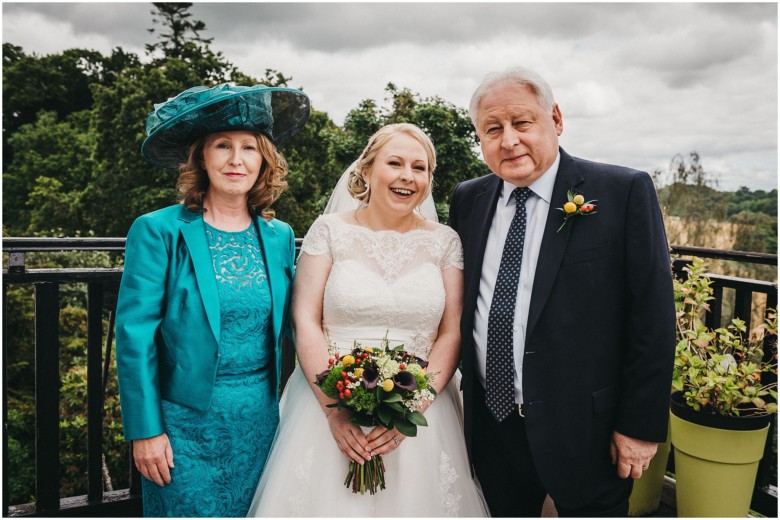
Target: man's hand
[
  {"x": 631, "y": 456},
  {"x": 154, "y": 458}
]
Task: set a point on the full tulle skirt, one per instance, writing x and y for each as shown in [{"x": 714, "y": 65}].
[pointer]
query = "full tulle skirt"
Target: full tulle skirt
[{"x": 426, "y": 476}]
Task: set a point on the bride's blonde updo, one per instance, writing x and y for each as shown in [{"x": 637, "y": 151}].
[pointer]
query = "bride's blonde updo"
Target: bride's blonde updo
[{"x": 358, "y": 186}]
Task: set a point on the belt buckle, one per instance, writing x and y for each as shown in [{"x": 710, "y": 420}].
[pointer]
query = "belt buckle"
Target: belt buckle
[{"x": 520, "y": 410}]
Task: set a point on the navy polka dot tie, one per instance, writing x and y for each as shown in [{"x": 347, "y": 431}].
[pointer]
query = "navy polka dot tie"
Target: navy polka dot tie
[{"x": 500, "y": 391}]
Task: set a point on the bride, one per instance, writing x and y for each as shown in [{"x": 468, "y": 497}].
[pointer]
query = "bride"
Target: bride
[{"x": 380, "y": 270}]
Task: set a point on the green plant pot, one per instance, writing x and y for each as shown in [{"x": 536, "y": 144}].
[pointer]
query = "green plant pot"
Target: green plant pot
[
  {"x": 646, "y": 496},
  {"x": 715, "y": 467}
]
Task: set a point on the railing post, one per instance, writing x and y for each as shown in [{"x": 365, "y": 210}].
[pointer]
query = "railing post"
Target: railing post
[
  {"x": 47, "y": 397},
  {"x": 713, "y": 318},
  {"x": 6, "y": 489},
  {"x": 95, "y": 390},
  {"x": 743, "y": 303}
]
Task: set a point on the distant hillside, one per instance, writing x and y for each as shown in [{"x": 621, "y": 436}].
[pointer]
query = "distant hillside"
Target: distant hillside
[
  {"x": 699, "y": 215},
  {"x": 704, "y": 233}
]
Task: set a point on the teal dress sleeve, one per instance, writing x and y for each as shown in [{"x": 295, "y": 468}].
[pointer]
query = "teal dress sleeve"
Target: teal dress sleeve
[{"x": 140, "y": 310}]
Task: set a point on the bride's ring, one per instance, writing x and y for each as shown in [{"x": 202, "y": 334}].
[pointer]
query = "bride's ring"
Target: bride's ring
[{"x": 395, "y": 441}]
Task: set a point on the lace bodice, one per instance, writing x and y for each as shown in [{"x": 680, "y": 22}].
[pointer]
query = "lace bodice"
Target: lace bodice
[
  {"x": 244, "y": 300},
  {"x": 383, "y": 282}
]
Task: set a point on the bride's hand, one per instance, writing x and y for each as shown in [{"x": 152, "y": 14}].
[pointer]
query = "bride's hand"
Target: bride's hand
[
  {"x": 348, "y": 436},
  {"x": 382, "y": 441}
]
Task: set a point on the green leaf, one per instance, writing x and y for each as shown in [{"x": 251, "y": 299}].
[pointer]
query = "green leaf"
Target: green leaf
[
  {"x": 361, "y": 420},
  {"x": 395, "y": 406},
  {"x": 406, "y": 428},
  {"x": 384, "y": 414},
  {"x": 391, "y": 398},
  {"x": 417, "y": 418}
]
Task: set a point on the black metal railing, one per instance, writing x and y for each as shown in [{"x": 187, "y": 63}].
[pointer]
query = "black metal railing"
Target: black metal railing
[{"x": 102, "y": 286}]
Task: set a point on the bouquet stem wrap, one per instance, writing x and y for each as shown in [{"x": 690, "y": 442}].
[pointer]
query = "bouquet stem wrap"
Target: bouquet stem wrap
[{"x": 368, "y": 477}]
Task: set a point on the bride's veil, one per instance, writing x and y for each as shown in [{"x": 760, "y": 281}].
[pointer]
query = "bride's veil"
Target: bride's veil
[{"x": 342, "y": 200}]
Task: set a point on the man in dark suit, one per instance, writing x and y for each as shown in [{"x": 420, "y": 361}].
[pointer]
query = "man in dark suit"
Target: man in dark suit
[{"x": 568, "y": 326}]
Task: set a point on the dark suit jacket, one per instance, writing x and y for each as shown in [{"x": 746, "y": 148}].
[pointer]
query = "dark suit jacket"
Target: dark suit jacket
[{"x": 601, "y": 326}]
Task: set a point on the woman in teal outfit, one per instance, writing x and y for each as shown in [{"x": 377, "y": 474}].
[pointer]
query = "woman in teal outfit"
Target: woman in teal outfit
[{"x": 204, "y": 300}]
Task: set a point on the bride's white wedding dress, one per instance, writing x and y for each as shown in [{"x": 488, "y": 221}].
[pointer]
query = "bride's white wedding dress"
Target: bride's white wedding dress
[{"x": 381, "y": 284}]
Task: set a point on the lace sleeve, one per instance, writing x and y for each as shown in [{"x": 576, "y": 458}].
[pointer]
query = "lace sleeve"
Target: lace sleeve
[
  {"x": 317, "y": 239},
  {"x": 452, "y": 250}
]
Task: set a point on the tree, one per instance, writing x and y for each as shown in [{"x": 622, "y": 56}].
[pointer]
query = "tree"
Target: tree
[
  {"x": 182, "y": 34},
  {"x": 43, "y": 183},
  {"x": 311, "y": 172},
  {"x": 59, "y": 83},
  {"x": 758, "y": 232},
  {"x": 179, "y": 38},
  {"x": 686, "y": 190},
  {"x": 124, "y": 185},
  {"x": 448, "y": 126},
  {"x": 758, "y": 201}
]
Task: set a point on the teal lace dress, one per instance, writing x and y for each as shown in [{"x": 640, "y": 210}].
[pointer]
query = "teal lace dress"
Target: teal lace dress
[{"x": 219, "y": 454}]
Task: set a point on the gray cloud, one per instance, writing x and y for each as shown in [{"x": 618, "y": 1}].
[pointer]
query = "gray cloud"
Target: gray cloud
[
  {"x": 124, "y": 23},
  {"x": 637, "y": 82}
]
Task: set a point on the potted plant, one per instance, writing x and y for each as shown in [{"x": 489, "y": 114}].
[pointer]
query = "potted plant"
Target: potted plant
[
  {"x": 721, "y": 404},
  {"x": 645, "y": 499}
]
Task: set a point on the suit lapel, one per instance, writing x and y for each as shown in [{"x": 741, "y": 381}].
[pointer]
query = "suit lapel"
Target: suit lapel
[
  {"x": 480, "y": 220},
  {"x": 194, "y": 234},
  {"x": 553, "y": 243},
  {"x": 273, "y": 265}
]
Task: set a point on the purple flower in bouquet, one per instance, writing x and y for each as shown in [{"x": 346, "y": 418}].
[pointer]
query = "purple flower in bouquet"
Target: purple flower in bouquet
[
  {"x": 370, "y": 378},
  {"x": 405, "y": 381}
]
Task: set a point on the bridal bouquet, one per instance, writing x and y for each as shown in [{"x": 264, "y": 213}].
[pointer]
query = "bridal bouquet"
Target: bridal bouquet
[{"x": 383, "y": 386}]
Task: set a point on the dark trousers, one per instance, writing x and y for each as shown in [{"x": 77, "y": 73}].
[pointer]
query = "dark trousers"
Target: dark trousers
[{"x": 509, "y": 479}]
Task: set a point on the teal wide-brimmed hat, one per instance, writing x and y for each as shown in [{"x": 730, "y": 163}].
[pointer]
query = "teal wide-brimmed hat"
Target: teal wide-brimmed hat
[{"x": 277, "y": 112}]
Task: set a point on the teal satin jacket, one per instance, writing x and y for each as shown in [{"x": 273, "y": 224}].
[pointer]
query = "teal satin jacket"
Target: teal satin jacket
[{"x": 168, "y": 317}]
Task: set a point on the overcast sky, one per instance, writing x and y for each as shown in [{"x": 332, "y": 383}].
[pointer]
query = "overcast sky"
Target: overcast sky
[{"x": 637, "y": 83}]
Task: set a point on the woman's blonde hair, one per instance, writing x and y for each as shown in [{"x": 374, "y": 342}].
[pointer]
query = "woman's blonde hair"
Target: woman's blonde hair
[
  {"x": 358, "y": 185},
  {"x": 193, "y": 183}
]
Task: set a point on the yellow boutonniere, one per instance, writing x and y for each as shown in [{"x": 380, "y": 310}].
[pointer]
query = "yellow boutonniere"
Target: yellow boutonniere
[{"x": 576, "y": 205}]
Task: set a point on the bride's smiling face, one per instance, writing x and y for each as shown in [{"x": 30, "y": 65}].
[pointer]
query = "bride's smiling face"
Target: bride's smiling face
[{"x": 399, "y": 177}]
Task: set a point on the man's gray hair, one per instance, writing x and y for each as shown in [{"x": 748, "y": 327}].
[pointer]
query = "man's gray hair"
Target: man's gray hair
[{"x": 519, "y": 75}]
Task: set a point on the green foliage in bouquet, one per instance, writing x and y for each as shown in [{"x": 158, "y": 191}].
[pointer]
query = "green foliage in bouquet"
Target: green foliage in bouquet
[{"x": 721, "y": 371}]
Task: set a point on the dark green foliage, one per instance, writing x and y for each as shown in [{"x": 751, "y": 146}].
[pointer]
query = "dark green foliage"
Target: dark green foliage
[
  {"x": 52, "y": 162},
  {"x": 124, "y": 185},
  {"x": 686, "y": 191},
  {"x": 758, "y": 232},
  {"x": 20, "y": 377},
  {"x": 312, "y": 174},
  {"x": 182, "y": 32},
  {"x": 363, "y": 400},
  {"x": 449, "y": 128},
  {"x": 21, "y": 454},
  {"x": 59, "y": 83},
  {"x": 758, "y": 201}
]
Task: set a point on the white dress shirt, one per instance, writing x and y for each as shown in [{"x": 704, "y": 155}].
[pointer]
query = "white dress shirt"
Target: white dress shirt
[{"x": 537, "y": 207}]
